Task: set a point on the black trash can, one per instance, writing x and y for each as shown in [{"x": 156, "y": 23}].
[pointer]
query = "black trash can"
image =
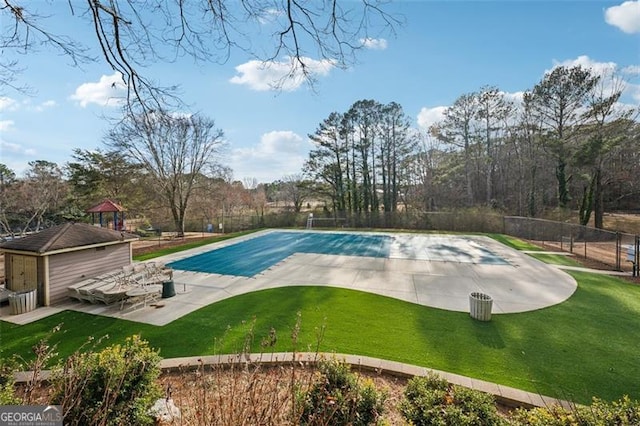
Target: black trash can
[{"x": 168, "y": 289}]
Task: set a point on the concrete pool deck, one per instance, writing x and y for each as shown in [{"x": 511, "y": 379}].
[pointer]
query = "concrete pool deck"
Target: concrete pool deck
[{"x": 521, "y": 284}]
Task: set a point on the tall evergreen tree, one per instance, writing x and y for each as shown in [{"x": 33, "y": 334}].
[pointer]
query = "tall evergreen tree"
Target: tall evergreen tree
[{"x": 560, "y": 100}]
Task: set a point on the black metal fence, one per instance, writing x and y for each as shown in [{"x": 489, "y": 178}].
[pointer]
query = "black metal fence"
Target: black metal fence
[{"x": 616, "y": 250}]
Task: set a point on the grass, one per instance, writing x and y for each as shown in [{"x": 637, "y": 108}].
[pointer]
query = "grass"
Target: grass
[
  {"x": 190, "y": 245},
  {"x": 514, "y": 242},
  {"x": 554, "y": 259},
  {"x": 584, "y": 347}
]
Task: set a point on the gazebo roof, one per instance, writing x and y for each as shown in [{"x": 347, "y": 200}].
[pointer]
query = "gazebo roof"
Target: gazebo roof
[
  {"x": 105, "y": 207},
  {"x": 67, "y": 236}
]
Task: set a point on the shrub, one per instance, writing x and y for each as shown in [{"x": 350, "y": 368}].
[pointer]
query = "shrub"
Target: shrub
[
  {"x": 430, "y": 400},
  {"x": 115, "y": 386},
  {"x": 624, "y": 412},
  {"x": 338, "y": 398},
  {"x": 7, "y": 392}
]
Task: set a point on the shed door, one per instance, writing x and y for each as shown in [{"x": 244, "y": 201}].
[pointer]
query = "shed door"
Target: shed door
[{"x": 24, "y": 273}]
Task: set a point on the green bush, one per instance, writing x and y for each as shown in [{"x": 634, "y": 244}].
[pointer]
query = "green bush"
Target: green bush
[
  {"x": 338, "y": 398},
  {"x": 624, "y": 412},
  {"x": 431, "y": 400},
  {"x": 115, "y": 386},
  {"x": 7, "y": 382}
]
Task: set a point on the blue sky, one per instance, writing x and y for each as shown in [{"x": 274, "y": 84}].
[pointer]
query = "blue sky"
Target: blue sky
[{"x": 444, "y": 49}]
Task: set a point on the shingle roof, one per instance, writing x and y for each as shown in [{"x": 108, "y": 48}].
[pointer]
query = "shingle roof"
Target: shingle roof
[
  {"x": 106, "y": 206},
  {"x": 66, "y": 236}
]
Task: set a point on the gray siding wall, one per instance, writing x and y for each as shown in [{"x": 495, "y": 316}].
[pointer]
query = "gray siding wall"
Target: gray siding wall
[{"x": 69, "y": 268}]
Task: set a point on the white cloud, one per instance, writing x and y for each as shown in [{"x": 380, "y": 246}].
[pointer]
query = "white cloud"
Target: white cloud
[
  {"x": 634, "y": 91},
  {"x": 7, "y": 104},
  {"x": 625, "y": 16},
  {"x": 279, "y": 75},
  {"x": 279, "y": 153},
  {"x": 13, "y": 148},
  {"x": 109, "y": 91},
  {"x": 46, "y": 104},
  {"x": 515, "y": 97},
  {"x": 374, "y": 43},
  {"x": 6, "y": 125},
  {"x": 270, "y": 15},
  {"x": 631, "y": 70},
  {"x": 429, "y": 116},
  {"x": 599, "y": 68}
]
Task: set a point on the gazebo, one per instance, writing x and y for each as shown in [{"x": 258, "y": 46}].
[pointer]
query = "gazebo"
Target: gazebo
[{"x": 108, "y": 206}]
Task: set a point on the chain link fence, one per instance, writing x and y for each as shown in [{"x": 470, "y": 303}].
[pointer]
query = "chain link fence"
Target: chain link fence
[{"x": 615, "y": 250}]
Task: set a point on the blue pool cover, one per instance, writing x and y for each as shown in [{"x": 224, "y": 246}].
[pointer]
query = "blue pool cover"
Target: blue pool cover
[{"x": 252, "y": 256}]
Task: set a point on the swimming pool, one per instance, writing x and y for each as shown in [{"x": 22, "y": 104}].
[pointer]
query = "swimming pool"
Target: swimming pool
[
  {"x": 250, "y": 257},
  {"x": 253, "y": 256}
]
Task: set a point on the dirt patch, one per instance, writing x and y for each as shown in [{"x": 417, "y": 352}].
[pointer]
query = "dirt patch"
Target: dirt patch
[{"x": 238, "y": 393}]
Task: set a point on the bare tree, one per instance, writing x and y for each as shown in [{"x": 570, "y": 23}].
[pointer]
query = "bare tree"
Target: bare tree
[
  {"x": 493, "y": 111},
  {"x": 133, "y": 34},
  {"x": 527, "y": 149},
  {"x": 396, "y": 146},
  {"x": 294, "y": 190},
  {"x": 457, "y": 129},
  {"x": 7, "y": 179},
  {"x": 41, "y": 192},
  {"x": 173, "y": 149},
  {"x": 421, "y": 172}
]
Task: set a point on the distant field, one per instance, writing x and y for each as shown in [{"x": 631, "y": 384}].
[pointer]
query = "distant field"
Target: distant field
[{"x": 628, "y": 223}]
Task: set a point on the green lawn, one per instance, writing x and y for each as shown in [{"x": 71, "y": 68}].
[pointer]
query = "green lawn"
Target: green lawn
[
  {"x": 189, "y": 245},
  {"x": 587, "y": 346}
]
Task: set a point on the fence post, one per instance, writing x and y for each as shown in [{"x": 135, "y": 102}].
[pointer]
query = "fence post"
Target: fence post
[
  {"x": 618, "y": 251},
  {"x": 636, "y": 263},
  {"x": 584, "y": 239}
]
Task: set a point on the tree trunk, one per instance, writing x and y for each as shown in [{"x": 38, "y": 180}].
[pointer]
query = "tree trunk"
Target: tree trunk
[
  {"x": 563, "y": 183},
  {"x": 598, "y": 204},
  {"x": 531, "y": 205},
  {"x": 586, "y": 206}
]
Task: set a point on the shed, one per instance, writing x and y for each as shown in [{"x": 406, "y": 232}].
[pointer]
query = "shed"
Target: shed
[
  {"x": 108, "y": 206},
  {"x": 53, "y": 259}
]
